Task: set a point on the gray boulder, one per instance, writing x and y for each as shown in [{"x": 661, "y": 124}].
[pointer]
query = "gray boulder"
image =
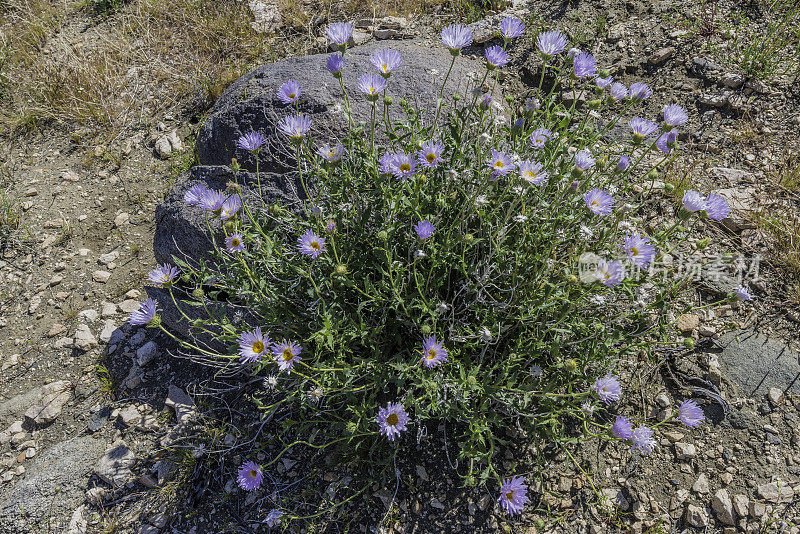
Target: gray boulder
[{"x": 756, "y": 363}]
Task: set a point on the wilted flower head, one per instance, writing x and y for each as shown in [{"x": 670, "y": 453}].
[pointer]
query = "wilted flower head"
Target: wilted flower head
[
  {"x": 211, "y": 200},
  {"x": 163, "y": 274},
  {"x": 599, "y": 202},
  {"x": 252, "y": 345},
  {"x": 583, "y": 160},
  {"x": 339, "y": 33},
  {"x": 539, "y": 137},
  {"x": 666, "y": 141},
  {"x": 639, "y": 250},
  {"x": 430, "y": 154},
  {"x": 371, "y": 85},
  {"x": 742, "y": 293},
  {"x": 230, "y": 207},
  {"x": 335, "y": 64},
  {"x": 496, "y": 57},
  {"x": 584, "y": 65},
  {"x": 532, "y": 104},
  {"x": 270, "y": 382},
  {"x": 331, "y": 154},
  {"x": 235, "y": 242},
  {"x": 386, "y": 60},
  {"x": 433, "y": 352},
  {"x": 690, "y": 414},
  {"x": 392, "y": 420},
  {"x": 551, "y": 43},
  {"x": 501, "y": 163},
  {"x": 675, "y": 115},
  {"x": 145, "y": 313},
  {"x": 603, "y": 83},
  {"x": 424, "y": 229},
  {"x": 289, "y": 92},
  {"x": 250, "y": 476},
  {"x": 455, "y": 37},
  {"x": 693, "y": 201},
  {"x": 513, "y": 496},
  {"x": 273, "y": 517},
  {"x": 511, "y": 28},
  {"x": 532, "y": 172},
  {"x": 251, "y": 141},
  {"x": 311, "y": 244},
  {"x": 717, "y": 207},
  {"x": 587, "y": 408},
  {"x": 641, "y": 128},
  {"x": 286, "y": 353},
  {"x": 536, "y": 371},
  {"x": 622, "y": 427},
  {"x": 623, "y": 163},
  {"x": 608, "y": 388},
  {"x": 619, "y": 91},
  {"x": 643, "y": 440},
  {"x": 640, "y": 91},
  {"x": 315, "y": 394},
  {"x": 295, "y": 127},
  {"x": 610, "y": 273}
]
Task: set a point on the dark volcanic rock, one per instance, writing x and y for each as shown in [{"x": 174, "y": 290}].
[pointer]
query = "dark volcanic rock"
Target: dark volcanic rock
[
  {"x": 251, "y": 102},
  {"x": 756, "y": 363}
]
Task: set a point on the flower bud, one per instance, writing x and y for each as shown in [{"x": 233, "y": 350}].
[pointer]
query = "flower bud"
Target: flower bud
[
  {"x": 605, "y": 73},
  {"x": 469, "y": 238},
  {"x": 456, "y": 97},
  {"x": 341, "y": 269},
  {"x": 388, "y": 100},
  {"x": 198, "y": 293},
  {"x": 669, "y": 188},
  {"x": 688, "y": 342},
  {"x": 382, "y": 235},
  {"x": 426, "y": 329},
  {"x": 653, "y": 174},
  {"x": 571, "y": 365},
  {"x": 235, "y": 165},
  {"x": 703, "y": 243},
  {"x": 594, "y": 104}
]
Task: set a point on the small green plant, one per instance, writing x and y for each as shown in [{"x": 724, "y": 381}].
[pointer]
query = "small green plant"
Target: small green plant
[{"x": 9, "y": 220}]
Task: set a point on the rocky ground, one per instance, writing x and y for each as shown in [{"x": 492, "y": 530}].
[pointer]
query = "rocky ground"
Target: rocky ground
[{"x": 94, "y": 414}]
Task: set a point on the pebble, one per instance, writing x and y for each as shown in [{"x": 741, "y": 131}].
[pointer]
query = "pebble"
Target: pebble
[
  {"x": 685, "y": 451},
  {"x": 774, "y": 492},
  {"x": 662, "y": 55},
  {"x": 701, "y": 484},
  {"x": 146, "y": 353},
  {"x": 121, "y": 219},
  {"x": 696, "y": 516},
  {"x": 101, "y": 277},
  {"x": 84, "y": 339},
  {"x": 723, "y": 507},
  {"x": 114, "y": 467},
  {"x": 775, "y": 396}
]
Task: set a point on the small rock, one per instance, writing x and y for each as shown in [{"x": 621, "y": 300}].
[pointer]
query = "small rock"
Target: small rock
[
  {"x": 146, "y": 353},
  {"x": 110, "y": 257},
  {"x": 130, "y": 415},
  {"x": 773, "y": 492},
  {"x": 706, "y": 331},
  {"x": 77, "y": 524},
  {"x": 53, "y": 398},
  {"x": 723, "y": 507},
  {"x": 716, "y": 100},
  {"x": 31, "y": 192},
  {"x": 696, "y": 516},
  {"x": 96, "y": 495},
  {"x": 181, "y": 402},
  {"x": 114, "y": 467},
  {"x": 663, "y": 400},
  {"x": 129, "y": 305},
  {"x": 732, "y": 80},
  {"x": 108, "y": 330},
  {"x": 108, "y": 309},
  {"x": 741, "y": 504},
  {"x": 84, "y": 339},
  {"x": 775, "y": 396},
  {"x": 101, "y": 277},
  {"x": 701, "y": 484},
  {"x": 685, "y": 451},
  {"x": 688, "y": 322},
  {"x": 121, "y": 219},
  {"x": 89, "y": 315},
  {"x": 662, "y": 55},
  {"x": 56, "y": 329}
]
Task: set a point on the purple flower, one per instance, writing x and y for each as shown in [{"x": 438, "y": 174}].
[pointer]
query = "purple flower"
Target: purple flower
[
  {"x": 539, "y": 138},
  {"x": 289, "y": 92},
  {"x": 286, "y": 353},
  {"x": 371, "y": 85},
  {"x": 386, "y": 163},
  {"x": 335, "y": 64},
  {"x": 145, "y": 313},
  {"x": 622, "y": 427},
  {"x": 163, "y": 274},
  {"x": 666, "y": 141},
  {"x": 640, "y": 91},
  {"x": 331, "y": 154},
  {"x": 455, "y": 37},
  {"x": 675, "y": 115},
  {"x": 386, "y": 60},
  {"x": 584, "y": 65},
  {"x": 295, "y": 127},
  {"x": 610, "y": 273},
  {"x": 690, "y": 414},
  {"x": 643, "y": 440},
  {"x": 273, "y": 517},
  {"x": 311, "y": 244},
  {"x": 742, "y": 293},
  {"x": 403, "y": 165},
  {"x": 551, "y": 43},
  {"x": 250, "y": 476},
  {"x": 339, "y": 33},
  {"x": 235, "y": 243},
  {"x": 513, "y": 495},
  {"x": 252, "y": 345},
  {"x": 608, "y": 388},
  {"x": 230, "y": 207},
  {"x": 430, "y": 154},
  {"x": 496, "y": 57},
  {"x": 251, "y": 141},
  {"x": 424, "y": 229},
  {"x": 716, "y": 207},
  {"x": 583, "y": 160},
  {"x": 623, "y": 163},
  {"x": 330, "y": 226},
  {"x": 501, "y": 163},
  {"x": 194, "y": 194},
  {"x": 486, "y": 102},
  {"x": 392, "y": 420},
  {"x": 603, "y": 83},
  {"x": 511, "y": 28},
  {"x": 641, "y": 128},
  {"x": 433, "y": 352},
  {"x": 599, "y": 202},
  {"x": 532, "y": 172},
  {"x": 619, "y": 91},
  {"x": 531, "y": 105},
  {"x": 639, "y": 250},
  {"x": 211, "y": 200},
  {"x": 693, "y": 201}
]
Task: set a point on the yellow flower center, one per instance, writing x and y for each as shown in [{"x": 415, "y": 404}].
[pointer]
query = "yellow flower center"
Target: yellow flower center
[
  {"x": 393, "y": 419},
  {"x": 291, "y": 95},
  {"x": 431, "y": 354},
  {"x": 235, "y": 242},
  {"x": 431, "y": 157},
  {"x": 331, "y": 154},
  {"x": 510, "y": 495},
  {"x": 594, "y": 204},
  {"x": 258, "y": 347},
  {"x": 634, "y": 251},
  {"x": 385, "y": 68},
  {"x": 287, "y": 355},
  {"x": 499, "y": 165},
  {"x": 315, "y": 245},
  {"x": 253, "y": 473},
  {"x": 405, "y": 167}
]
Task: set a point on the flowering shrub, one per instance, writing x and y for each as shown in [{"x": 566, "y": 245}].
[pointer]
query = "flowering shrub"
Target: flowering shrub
[{"x": 435, "y": 277}]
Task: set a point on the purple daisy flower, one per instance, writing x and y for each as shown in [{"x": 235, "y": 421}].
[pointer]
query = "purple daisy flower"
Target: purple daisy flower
[
  {"x": 513, "y": 495},
  {"x": 717, "y": 207},
  {"x": 455, "y": 37},
  {"x": 599, "y": 202},
  {"x": 392, "y": 420},
  {"x": 496, "y": 57},
  {"x": 311, "y": 244},
  {"x": 608, "y": 388},
  {"x": 430, "y": 154},
  {"x": 539, "y": 138},
  {"x": 386, "y": 163},
  {"x": 286, "y": 353},
  {"x": 145, "y": 313},
  {"x": 250, "y": 476},
  {"x": 331, "y": 154},
  {"x": 584, "y": 65},
  {"x": 675, "y": 115},
  {"x": 622, "y": 427},
  {"x": 163, "y": 274},
  {"x": 619, "y": 91},
  {"x": 532, "y": 172},
  {"x": 742, "y": 293},
  {"x": 666, "y": 141},
  {"x": 511, "y": 28},
  {"x": 335, "y": 64},
  {"x": 623, "y": 163},
  {"x": 194, "y": 194},
  {"x": 340, "y": 33},
  {"x": 273, "y": 517},
  {"x": 235, "y": 242},
  {"x": 603, "y": 83},
  {"x": 501, "y": 163},
  {"x": 295, "y": 127},
  {"x": 639, "y": 250},
  {"x": 583, "y": 160},
  {"x": 230, "y": 207},
  {"x": 610, "y": 273},
  {"x": 641, "y": 128},
  {"x": 371, "y": 85},
  {"x": 693, "y": 201},
  {"x": 386, "y": 60},
  {"x": 433, "y": 352},
  {"x": 403, "y": 165},
  {"x": 424, "y": 229},
  {"x": 289, "y": 92},
  {"x": 251, "y": 141},
  {"x": 690, "y": 414},
  {"x": 211, "y": 200},
  {"x": 551, "y": 43},
  {"x": 252, "y": 345},
  {"x": 643, "y": 440},
  {"x": 640, "y": 91}
]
